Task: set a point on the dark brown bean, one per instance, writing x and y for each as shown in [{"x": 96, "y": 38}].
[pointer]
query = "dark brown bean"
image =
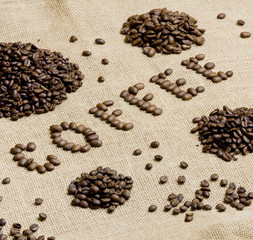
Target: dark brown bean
[
  {"x": 164, "y": 179},
  {"x": 49, "y": 166},
  {"x": 187, "y": 97},
  {"x": 86, "y": 53},
  {"x": 181, "y": 82},
  {"x": 240, "y": 22},
  {"x": 73, "y": 39},
  {"x": 157, "y": 112},
  {"x": 209, "y": 65},
  {"x": 31, "y": 146},
  {"x": 42, "y": 216},
  {"x": 105, "y": 61},
  {"x": 200, "y": 89},
  {"x": 101, "y": 79},
  {"x": 6, "y": 180},
  {"x": 152, "y": 208},
  {"x": 38, "y": 201},
  {"x": 149, "y": 166},
  {"x": 99, "y": 41},
  {"x": 183, "y": 165},
  {"x": 229, "y": 73},
  {"x": 221, "y": 15},
  {"x": 245, "y": 34},
  {"x": 181, "y": 179},
  {"x": 200, "y": 57},
  {"x": 168, "y": 71},
  {"x": 137, "y": 152}
]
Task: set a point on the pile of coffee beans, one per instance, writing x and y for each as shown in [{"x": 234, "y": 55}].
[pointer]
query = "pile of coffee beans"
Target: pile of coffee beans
[
  {"x": 34, "y": 80},
  {"x": 163, "y": 31},
  {"x": 101, "y": 188},
  {"x": 143, "y": 104},
  {"x": 216, "y": 77},
  {"x": 26, "y": 234},
  {"x": 226, "y": 132},
  {"x": 91, "y": 137},
  {"x": 174, "y": 87},
  {"x": 100, "y": 111},
  {"x": 29, "y": 163}
]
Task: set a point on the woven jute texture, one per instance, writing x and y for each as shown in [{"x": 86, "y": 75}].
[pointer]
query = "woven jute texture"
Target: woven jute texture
[{"x": 49, "y": 24}]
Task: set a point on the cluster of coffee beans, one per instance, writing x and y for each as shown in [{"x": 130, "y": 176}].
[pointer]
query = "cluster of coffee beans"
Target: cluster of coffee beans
[
  {"x": 91, "y": 137},
  {"x": 34, "y": 80},
  {"x": 174, "y": 87},
  {"x": 100, "y": 111},
  {"x": 29, "y": 163},
  {"x": 27, "y": 234},
  {"x": 101, "y": 188},
  {"x": 226, "y": 132},
  {"x": 144, "y": 104},
  {"x": 163, "y": 31},
  {"x": 216, "y": 77}
]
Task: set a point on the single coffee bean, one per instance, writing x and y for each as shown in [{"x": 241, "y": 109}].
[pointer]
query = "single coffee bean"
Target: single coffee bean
[
  {"x": 21, "y": 146},
  {"x": 188, "y": 218},
  {"x": 15, "y": 150},
  {"x": 51, "y": 238},
  {"x": 154, "y": 144},
  {"x": 163, "y": 179},
  {"x": 148, "y": 97},
  {"x": 185, "y": 62},
  {"x": 32, "y": 166},
  {"x": 128, "y": 126},
  {"x": 72, "y": 125},
  {"x": 38, "y": 201},
  {"x": 168, "y": 71},
  {"x": 176, "y": 90},
  {"x": 149, "y": 166},
  {"x": 200, "y": 89},
  {"x": 176, "y": 211},
  {"x": 117, "y": 112},
  {"x": 223, "y": 182},
  {"x": 93, "y": 110},
  {"x": 162, "y": 75},
  {"x": 167, "y": 208},
  {"x": 41, "y": 169},
  {"x": 34, "y": 227},
  {"x": 180, "y": 94},
  {"x": 108, "y": 103},
  {"x": 56, "y": 128},
  {"x": 201, "y": 70},
  {"x": 216, "y": 79},
  {"x": 187, "y": 96},
  {"x": 101, "y": 79},
  {"x": 200, "y": 57},
  {"x": 191, "y": 65},
  {"x": 181, "y": 179},
  {"x": 181, "y": 82},
  {"x": 49, "y": 166},
  {"x": 73, "y": 39},
  {"x": 105, "y": 61},
  {"x": 157, "y": 112},
  {"x": 220, "y": 207},
  {"x": 99, "y": 41},
  {"x": 86, "y": 148},
  {"x": 31, "y": 146},
  {"x": 209, "y": 65},
  {"x": 240, "y": 22},
  {"x": 192, "y": 91},
  {"x": 158, "y": 158},
  {"x": 245, "y": 34},
  {"x": 221, "y": 15},
  {"x": 137, "y": 152},
  {"x": 183, "y": 165},
  {"x": 229, "y": 73},
  {"x": 42, "y": 216},
  {"x": 86, "y": 53},
  {"x": 152, "y": 208},
  {"x": 6, "y": 180},
  {"x": 207, "y": 207}
]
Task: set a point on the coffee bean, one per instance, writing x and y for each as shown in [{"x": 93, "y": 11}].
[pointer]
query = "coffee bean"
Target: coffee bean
[
  {"x": 40, "y": 169},
  {"x": 117, "y": 112},
  {"x": 183, "y": 165},
  {"x": 220, "y": 207},
  {"x": 214, "y": 177},
  {"x": 200, "y": 57},
  {"x": 15, "y": 150},
  {"x": 51, "y": 238},
  {"x": 152, "y": 208},
  {"x": 154, "y": 144},
  {"x": 229, "y": 73},
  {"x": 163, "y": 179},
  {"x": 137, "y": 152},
  {"x": 42, "y": 216},
  {"x": 167, "y": 207},
  {"x": 34, "y": 227},
  {"x": 108, "y": 103},
  {"x": 181, "y": 82},
  {"x": 73, "y": 39},
  {"x": 149, "y": 166},
  {"x": 245, "y": 34},
  {"x": 49, "y": 166},
  {"x": 221, "y": 15},
  {"x": 192, "y": 91},
  {"x": 181, "y": 179},
  {"x": 168, "y": 71},
  {"x": 201, "y": 70},
  {"x": 6, "y": 180},
  {"x": 176, "y": 211},
  {"x": 99, "y": 41},
  {"x": 157, "y": 112},
  {"x": 191, "y": 65},
  {"x": 209, "y": 65},
  {"x": 188, "y": 218},
  {"x": 105, "y": 61},
  {"x": 207, "y": 207},
  {"x": 2, "y": 222},
  {"x": 158, "y": 158},
  {"x": 38, "y": 201},
  {"x": 86, "y": 53},
  {"x": 200, "y": 89},
  {"x": 31, "y": 146},
  {"x": 32, "y": 166},
  {"x": 101, "y": 79},
  {"x": 148, "y": 97},
  {"x": 86, "y": 148},
  {"x": 223, "y": 183},
  {"x": 240, "y": 22},
  {"x": 185, "y": 62},
  {"x": 187, "y": 97},
  {"x": 216, "y": 79}
]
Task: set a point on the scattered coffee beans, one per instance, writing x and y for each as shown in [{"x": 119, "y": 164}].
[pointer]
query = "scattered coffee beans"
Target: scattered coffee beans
[
  {"x": 220, "y": 207},
  {"x": 91, "y": 137},
  {"x": 158, "y": 158},
  {"x": 154, "y": 144},
  {"x": 214, "y": 177},
  {"x": 152, "y": 208},
  {"x": 183, "y": 165},
  {"x": 101, "y": 79},
  {"x": 164, "y": 179},
  {"x": 34, "y": 80},
  {"x": 223, "y": 182},
  {"x": 86, "y": 53},
  {"x": 38, "y": 201},
  {"x": 221, "y": 15},
  {"x": 226, "y": 132},
  {"x": 99, "y": 41},
  {"x": 188, "y": 217},
  {"x": 105, "y": 61},
  {"x": 6, "y": 180},
  {"x": 149, "y": 166},
  {"x": 163, "y": 31},
  {"x": 73, "y": 39},
  {"x": 42, "y": 216},
  {"x": 181, "y": 179},
  {"x": 101, "y": 188},
  {"x": 240, "y": 22},
  {"x": 245, "y": 34},
  {"x": 137, "y": 152}
]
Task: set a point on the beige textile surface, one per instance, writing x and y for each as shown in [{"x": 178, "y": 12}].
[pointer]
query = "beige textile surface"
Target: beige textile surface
[{"x": 53, "y": 22}]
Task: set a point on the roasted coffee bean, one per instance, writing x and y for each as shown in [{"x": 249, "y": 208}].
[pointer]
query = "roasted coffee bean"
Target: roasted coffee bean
[
  {"x": 187, "y": 96},
  {"x": 209, "y": 65},
  {"x": 49, "y": 166},
  {"x": 149, "y": 166},
  {"x": 2, "y": 222},
  {"x": 172, "y": 196},
  {"x": 157, "y": 112},
  {"x": 222, "y": 75},
  {"x": 201, "y": 70},
  {"x": 34, "y": 227},
  {"x": 188, "y": 218},
  {"x": 167, "y": 208},
  {"x": 185, "y": 62},
  {"x": 220, "y": 207},
  {"x": 105, "y": 61},
  {"x": 191, "y": 65},
  {"x": 101, "y": 79},
  {"x": 245, "y": 34},
  {"x": 181, "y": 82},
  {"x": 154, "y": 144},
  {"x": 73, "y": 39},
  {"x": 176, "y": 211},
  {"x": 117, "y": 112},
  {"x": 200, "y": 56},
  {"x": 31, "y": 146},
  {"x": 183, "y": 165},
  {"x": 229, "y": 73},
  {"x": 147, "y": 31},
  {"x": 207, "y": 207},
  {"x": 40, "y": 169},
  {"x": 181, "y": 179},
  {"x": 51, "y": 238},
  {"x": 223, "y": 182},
  {"x": 200, "y": 89},
  {"x": 162, "y": 75},
  {"x": 163, "y": 179},
  {"x": 240, "y": 22},
  {"x": 214, "y": 177},
  {"x": 42, "y": 216},
  {"x": 158, "y": 158},
  {"x": 137, "y": 152},
  {"x": 38, "y": 201},
  {"x": 221, "y": 15},
  {"x": 152, "y": 208},
  {"x": 86, "y": 53},
  {"x": 6, "y": 180},
  {"x": 148, "y": 97},
  {"x": 32, "y": 166},
  {"x": 108, "y": 103},
  {"x": 168, "y": 71},
  {"x": 15, "y": 150},
  {"x": 192, "y": 91},
  {"x": 86, "y": 148},
  {"x": 99, "y": 41}
]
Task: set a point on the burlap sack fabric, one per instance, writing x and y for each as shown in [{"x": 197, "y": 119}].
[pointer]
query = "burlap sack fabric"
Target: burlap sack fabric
[{"x": 53, "y": 22}]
